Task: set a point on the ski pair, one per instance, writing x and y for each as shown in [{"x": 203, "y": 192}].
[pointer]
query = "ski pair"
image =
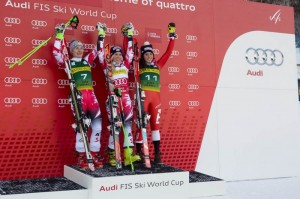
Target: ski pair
[{"x": 117, "y": 119}]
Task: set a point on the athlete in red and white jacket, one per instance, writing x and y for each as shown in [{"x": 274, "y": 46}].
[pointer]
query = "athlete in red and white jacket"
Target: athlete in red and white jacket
[
  {"x": 149, "y": 74},
  {"x": 81, "y": 70},
  {"x": 117, "y": 72}
]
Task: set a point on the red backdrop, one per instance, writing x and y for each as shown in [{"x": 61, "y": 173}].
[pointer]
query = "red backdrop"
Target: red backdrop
[{"x": 36, "y": 138}]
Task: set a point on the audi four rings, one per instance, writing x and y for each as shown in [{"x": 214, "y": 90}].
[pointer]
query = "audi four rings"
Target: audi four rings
[
  {"x": 39, "y": 23},
  {"x": 11, "y": 20},
  {"x": 12, "y": 40},
  {"x": 39, "y": 101},
  {"x": 12, "y": 80},
  {"x": 264, "y": 57}
]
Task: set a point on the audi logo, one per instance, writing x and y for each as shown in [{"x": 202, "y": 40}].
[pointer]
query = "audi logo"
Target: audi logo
[
  {"x": 191, "y": 54},
  {"x": 88, "y": 28},
  {"x": 175, "y": 53},
  {"x": 191, "y": 38},
  {"x": 193, "y": 103},
  {"x": 193, "y": 86},
  {"x": 155, "y": 51},
  {"x": 173, "y": 69},
  {"x": 63, "y": 82},
  {"x": 94, "y": 83},
  {"x": 37, "y": 42},
  {"x": 39, "y": 61},
  {"x": 12, "y": 40},
  {"x": 174, "y": 103},
  {"x": 264, "y": 57},
  {"x": 11, "y": 20},
  {"x": 38, "y": 23},
  {"x": 10, "y": 60},
  {"x": 136, "y": 32},
  {"x": 112, "y": 30},
  {"x": 12, "y": 80},
  {"x": 39, "y": 81},
  {"x": 192, "y": 70},
  {"x": 174, "y": 86},
  {"x": 39, "y": 101},
  {"x": 63, "y": 101},
  {"x": 89, "y": 46},
  {"x": 12, "y": 100}
]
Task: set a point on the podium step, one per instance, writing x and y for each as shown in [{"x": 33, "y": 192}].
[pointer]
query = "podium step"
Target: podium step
[
  {"x": 160, "y": 182},
  {"x": 44, "y": 188}
]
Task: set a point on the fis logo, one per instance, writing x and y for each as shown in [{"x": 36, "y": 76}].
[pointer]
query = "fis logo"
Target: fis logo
[
  {"x": 9, "y": 41},
  {"x": 9, "y": 21}
]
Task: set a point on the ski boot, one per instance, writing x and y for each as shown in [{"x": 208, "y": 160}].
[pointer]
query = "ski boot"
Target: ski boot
[
  {"x": 112, "y": 157},
  {"x": 157, "y": 158},
  {"x": 97, "y": 159},
  {"x": 81, "y": 160},
  {"x": 127, "y": 153}
]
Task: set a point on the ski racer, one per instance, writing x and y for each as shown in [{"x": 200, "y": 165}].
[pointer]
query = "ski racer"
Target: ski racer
[
  {"x": 81, "y": 70},
  {"x": 149, "y": 75},
  {"x": 117, "y": 71}
]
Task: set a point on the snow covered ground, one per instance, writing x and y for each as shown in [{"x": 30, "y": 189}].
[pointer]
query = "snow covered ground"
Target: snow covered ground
[{"x": 280, "y": 188}]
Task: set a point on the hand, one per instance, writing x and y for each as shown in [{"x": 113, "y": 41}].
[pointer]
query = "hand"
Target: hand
[
  {"x": 172, "y": 30},
  {"x": 101, "y": 27},
  {"x": 127, "y": 29},
  {"x": 60, "y": 30}
]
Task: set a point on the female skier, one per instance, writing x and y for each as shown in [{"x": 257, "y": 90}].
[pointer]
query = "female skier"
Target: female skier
[
  {"x": 149, "y": 74},
  {"x": 81, "y": 70},
  {"x": 117, "y": 71}
]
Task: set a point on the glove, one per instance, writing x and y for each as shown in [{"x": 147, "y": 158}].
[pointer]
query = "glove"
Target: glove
[
  {"x": 101, "y": 27},
  {"x": 127, "y": 29},
  {"x": 60, "y": 31},
  {"x": 171, "y": 30}
]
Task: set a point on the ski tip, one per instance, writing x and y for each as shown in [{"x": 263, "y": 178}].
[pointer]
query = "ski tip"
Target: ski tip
[{"x": 91, "y": 166}]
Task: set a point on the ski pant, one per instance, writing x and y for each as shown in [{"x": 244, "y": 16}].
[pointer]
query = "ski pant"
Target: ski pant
[
  {"x": 91, "y": 109},
  {"x": 152, "y": 106},
  {"x": 125, "y": 108}
]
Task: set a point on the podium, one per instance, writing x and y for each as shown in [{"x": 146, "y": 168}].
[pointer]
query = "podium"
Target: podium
[{"x": 159, "y": 182}]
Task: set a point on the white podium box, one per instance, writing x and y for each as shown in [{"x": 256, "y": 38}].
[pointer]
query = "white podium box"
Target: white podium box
[
  {"x": 160, "y": 182},
  {"x": 204, "y": 185},
  {"x": 49, "y": 188}
]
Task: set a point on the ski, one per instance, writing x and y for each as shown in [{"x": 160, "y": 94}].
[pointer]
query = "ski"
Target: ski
[
  {"x": 113, "y": 106},
  {"x": 119, "y": 94},
  {"x": 142, "y": 118}
]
